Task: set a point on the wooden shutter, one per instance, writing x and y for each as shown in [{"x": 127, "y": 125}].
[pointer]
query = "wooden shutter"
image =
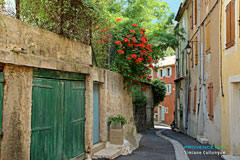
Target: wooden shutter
[
  {"x": 189, "y": 100},
  {"x": 191, "y": 16},
  {"x": 195, "y": 99},
  {"x": 210, "y": 101},
  {"x": 192, "y": 55},
  {"x": 208, "y": 47},
  {"x": 230, "y": 24},
  {"x": 195, "y": 9},
  {"x": 196, "y": 51}
]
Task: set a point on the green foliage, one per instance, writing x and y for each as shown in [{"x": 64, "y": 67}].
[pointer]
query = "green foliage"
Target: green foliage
[
  {"x": 90, "y": 22},
  {"x": 159, "y": 91},
  {"x": 116, "y": 120},
  {"x": 139, "y": 100}
]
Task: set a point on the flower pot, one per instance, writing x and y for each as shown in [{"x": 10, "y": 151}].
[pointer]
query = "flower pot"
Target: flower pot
[
  {"x": 116, "y": 126},
  {"x": 116, "y": 134}
]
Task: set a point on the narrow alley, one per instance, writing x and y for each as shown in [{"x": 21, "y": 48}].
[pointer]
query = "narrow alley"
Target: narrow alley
[{"x": 156, "y": 147}]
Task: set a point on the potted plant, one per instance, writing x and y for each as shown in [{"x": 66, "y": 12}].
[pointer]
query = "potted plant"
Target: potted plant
[{"x": 116, "y": 129}]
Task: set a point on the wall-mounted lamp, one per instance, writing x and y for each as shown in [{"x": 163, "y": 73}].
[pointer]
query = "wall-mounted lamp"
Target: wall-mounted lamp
[{"x": 188, "y": 47}]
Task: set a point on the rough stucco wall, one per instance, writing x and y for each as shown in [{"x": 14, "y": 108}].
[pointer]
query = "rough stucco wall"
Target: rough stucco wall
[
  {"x": 149, "y": 108},
  {"x": 88, "y": 115},
  {"x": 40, "y": 42},
  {"x": 119, "y": 101},
  {"x": 16, "y": 113}
]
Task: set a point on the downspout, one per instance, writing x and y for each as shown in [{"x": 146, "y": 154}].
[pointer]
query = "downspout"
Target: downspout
[{"x": 221, "y": 49}]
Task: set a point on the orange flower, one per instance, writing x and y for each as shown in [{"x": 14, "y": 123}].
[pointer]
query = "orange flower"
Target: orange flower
[
  {"x": 143, "y": 30},
  {"x": 134, "y": 25},
  {"x": 125, "y": 40},
  {"x": 118, "y": 19},
  {"x": 120, "y": 51},
  {"x": 144, "y": 88},
  {"x": 132, "y": 31},
  {"x": 118, "y": 43},
  {"x": 134, "y": 39}
]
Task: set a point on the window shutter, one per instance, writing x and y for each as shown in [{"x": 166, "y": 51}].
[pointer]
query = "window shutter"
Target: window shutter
[
  {"x": 170, "y": 88},
  {"x": 232, "y": 22},
  {"x": 210, "y": 101},
  {"x": 196, "y": 12},
  {"x": 208, "y": 47},
  {"x": 164, "y": 72},
  {"x": 195, "y": 99},
  {"x": 189, "y": 100},
  {"x": 196, "y": 51},
  {"x": 192, "y": 55},
  {"x": 228, "y": 25},
  {"x": 191, "y": 16}
]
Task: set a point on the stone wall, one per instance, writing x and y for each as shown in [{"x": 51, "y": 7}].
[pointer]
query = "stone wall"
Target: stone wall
[
  {"x": 16, "y": 113},
  {"x": 50, "y": 51},
  {"x": 38, "y": 42}
]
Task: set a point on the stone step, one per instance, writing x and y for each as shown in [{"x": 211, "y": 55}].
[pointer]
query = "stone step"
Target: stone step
[
  {"x": 97, "y": 147},
  {"x": 107, "y": 153}
]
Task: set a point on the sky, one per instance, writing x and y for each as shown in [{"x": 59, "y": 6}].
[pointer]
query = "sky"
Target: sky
[{"x": 174, "y": 5}]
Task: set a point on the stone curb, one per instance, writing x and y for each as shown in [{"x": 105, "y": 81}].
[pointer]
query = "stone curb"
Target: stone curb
[{"x": 180, "y": 152}]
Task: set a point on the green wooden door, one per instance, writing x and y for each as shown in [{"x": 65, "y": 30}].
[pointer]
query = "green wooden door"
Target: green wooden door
[
  {"x": 74, "y": 118},
  {"x": 58, "y": 116},
  {"x": 47, "y": 129},
  {"x": 1, "y": 102}
]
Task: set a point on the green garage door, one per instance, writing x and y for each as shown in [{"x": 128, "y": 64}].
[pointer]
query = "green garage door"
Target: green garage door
[{"x": 57, "y": 116}]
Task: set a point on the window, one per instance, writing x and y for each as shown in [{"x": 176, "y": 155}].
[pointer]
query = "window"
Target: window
[
  {"x": 230, "y": 24},
  {"x": 166, "y": 109},
  {"x": 208, "y": 48},
  {"x": 196, "y": 51},
  {"x": 210, "y": 101},
  {"x": 168, "y": 88},
  {"x": 164, "y": 72},
  {"x": 195, "y": 12},
  {"x": 160, "y": 73},
  {"x": 195, "y": 99},
  {"x": 189, "y": 100},
  {"x": 169, "y": 72}
]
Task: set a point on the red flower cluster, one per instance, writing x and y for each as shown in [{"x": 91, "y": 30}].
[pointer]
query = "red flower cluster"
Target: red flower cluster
[
  {"x": 120, "y": 51},
  {"x": 125, "y": 40},
  {"x": 118, "y": 19},
  {"x": 132, "y": 31},
  {"x": 135, "y": 50},
  {"x": 117, "y": 43}
]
